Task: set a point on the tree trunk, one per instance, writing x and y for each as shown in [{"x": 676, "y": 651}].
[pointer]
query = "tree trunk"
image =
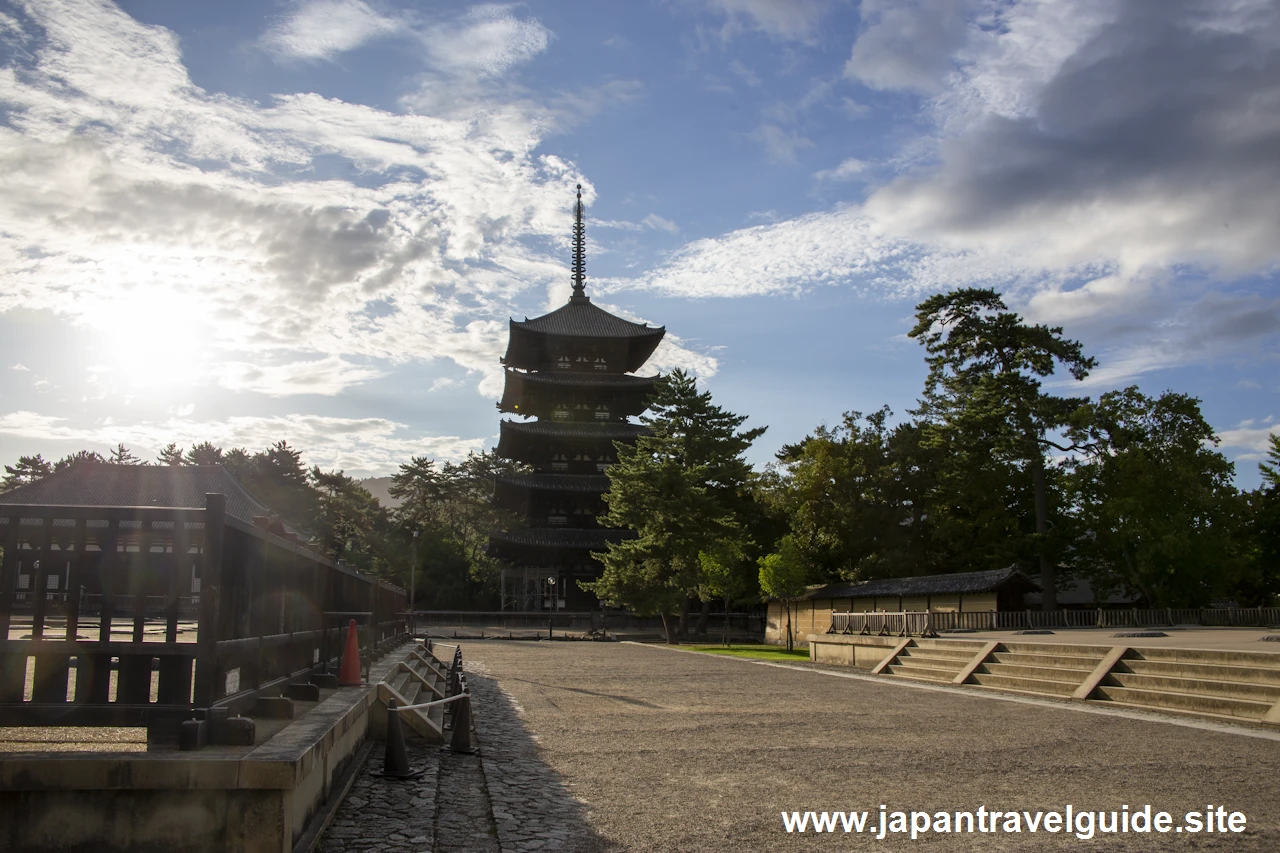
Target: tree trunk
[
  {"x": 724, "y": 625},
  {"x": 673, "y": 638},
  {"x": 790, "y": 643},
  {"x": 701, "y": 628},
  {"x": 683, "y": 629},
  {"x": 1048, "y": 571}
]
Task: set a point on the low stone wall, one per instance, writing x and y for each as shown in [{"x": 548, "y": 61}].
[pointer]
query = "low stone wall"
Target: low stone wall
[
  {"x": 854, "y": 650},
  {"x": 217, "y": 800}
]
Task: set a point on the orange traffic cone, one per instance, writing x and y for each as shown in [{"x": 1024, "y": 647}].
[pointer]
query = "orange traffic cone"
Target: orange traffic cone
[{"x": 349, "y": 671}]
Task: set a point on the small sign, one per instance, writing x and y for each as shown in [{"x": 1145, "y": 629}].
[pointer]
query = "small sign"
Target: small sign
[{"x": 233, "y": 682}]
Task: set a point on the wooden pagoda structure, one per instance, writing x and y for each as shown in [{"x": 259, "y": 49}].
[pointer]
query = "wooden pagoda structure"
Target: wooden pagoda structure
[{"x": 571, "y": 373}]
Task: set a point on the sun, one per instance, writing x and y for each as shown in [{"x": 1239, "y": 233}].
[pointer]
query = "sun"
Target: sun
[{"x": 151, "y": 340}]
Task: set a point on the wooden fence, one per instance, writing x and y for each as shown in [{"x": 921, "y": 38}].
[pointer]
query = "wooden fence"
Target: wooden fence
[
  {"x": 925, "y": 623},
  {"x": 156, "y": 614}
]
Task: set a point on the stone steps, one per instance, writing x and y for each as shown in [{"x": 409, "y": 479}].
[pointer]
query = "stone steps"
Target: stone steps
[
  {"x": 1227, "y": 685},
  {"x": 1196, "y": 686},
  {"x": 1024, "y": 684},
  {"x": 1199, "y": 703},
  {"x": 1017, "y": 670},
  {"x": 1212, "y": 671},
  {"x": 1050, "y": 657},
  {"x": 921, "y": 673}
]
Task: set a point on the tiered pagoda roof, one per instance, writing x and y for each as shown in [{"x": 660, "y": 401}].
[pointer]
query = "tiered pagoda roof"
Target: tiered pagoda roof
[{"x": 571, "y": 369}]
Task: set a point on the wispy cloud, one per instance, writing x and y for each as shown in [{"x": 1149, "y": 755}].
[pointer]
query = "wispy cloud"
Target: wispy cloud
[
  {"x": 791, "y": 20},
  {"x": 327, "y": 376},
  {"x": 322, "y": 29},
  {"x": 658, "y": 223},
  {"x": 848, "y": 170},
  {"x": 781, "y": 145},
  {"x": 1103, "y": 163}
]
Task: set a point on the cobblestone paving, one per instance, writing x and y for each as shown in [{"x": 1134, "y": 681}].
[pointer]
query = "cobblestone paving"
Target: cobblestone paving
[
  {"x": 532, "y": 808},
  {"x": 384, "y": 815},
  {"x": 501, "y": 800},
  {"x": 464, "y": 818}
]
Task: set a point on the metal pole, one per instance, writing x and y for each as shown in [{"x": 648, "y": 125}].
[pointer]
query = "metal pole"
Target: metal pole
[{"x": 413, "y": 586}]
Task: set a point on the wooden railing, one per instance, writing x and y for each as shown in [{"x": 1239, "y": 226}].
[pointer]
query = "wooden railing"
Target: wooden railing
[
  {"x": 924, "y": 623},
  {"x": 127, "y": 642}
]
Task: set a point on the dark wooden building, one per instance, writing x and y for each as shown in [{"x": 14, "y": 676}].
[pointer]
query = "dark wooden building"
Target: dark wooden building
[{"x": 571, "y": 372}]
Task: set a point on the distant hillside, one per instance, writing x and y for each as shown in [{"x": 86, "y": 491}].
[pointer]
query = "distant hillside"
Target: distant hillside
[{"x": 378, "y": 487}]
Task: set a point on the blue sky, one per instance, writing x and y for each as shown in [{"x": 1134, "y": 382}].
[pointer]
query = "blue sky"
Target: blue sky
[{"x": 246, "y": 221}]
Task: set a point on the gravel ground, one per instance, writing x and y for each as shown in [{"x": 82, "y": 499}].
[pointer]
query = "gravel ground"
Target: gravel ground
[{"x": 674, "y": 751}]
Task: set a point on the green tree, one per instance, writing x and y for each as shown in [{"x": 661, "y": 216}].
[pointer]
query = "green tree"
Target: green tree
[
  {"x": 354, "y": 527},
  {"x": 784, "y": 576},
  {"x": 1157, "y": 506},
  {"x": 204, "y": 453},
  {"x": 80, "y": 457},
  {"x": 28, "y": 470},
  {"x": 858, "y": 497},
  {"x": 983, "y": 396},
  {"x": 450, "y": 505},
  {"x": 683, "y": 489},
  {"x": 1270, "y": 470},
  {"x": 122, "y": 455},
  {"x": 727, "y": 574},
  {"x": 171, "y": 455},
  {"x": 277, "y": 477},
  {"x": 1265, "y": 527}
]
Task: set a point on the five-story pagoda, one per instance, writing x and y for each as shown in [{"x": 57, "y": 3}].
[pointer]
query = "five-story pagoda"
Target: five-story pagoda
[{"x": 571, "y": 372}]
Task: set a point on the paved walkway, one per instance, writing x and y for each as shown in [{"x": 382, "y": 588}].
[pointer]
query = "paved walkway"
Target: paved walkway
[
  {"x": 590, "y": 747},
  {"x": 502, "y": 800}
]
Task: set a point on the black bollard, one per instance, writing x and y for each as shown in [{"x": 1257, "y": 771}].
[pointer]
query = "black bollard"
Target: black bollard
[
  {"x": 395, "y": 762},
  {"x": 460, "y": 740}
]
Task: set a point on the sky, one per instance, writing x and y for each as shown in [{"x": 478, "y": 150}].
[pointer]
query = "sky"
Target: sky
[{"x": 311, "y": 220}]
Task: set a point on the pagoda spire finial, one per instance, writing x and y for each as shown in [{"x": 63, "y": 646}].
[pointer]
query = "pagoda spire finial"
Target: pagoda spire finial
[{"x": 579, "y": 251}]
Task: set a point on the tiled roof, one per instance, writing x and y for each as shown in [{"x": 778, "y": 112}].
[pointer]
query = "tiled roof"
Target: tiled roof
[
  {"x": 582, "y": 319},
  {"x": 965, "y": 583},
  {"x": 552, "y": 429},
  {"x": 595, "y": 539},
  {"x": 589, "y": 483},
  {"x": 100, "y": 484},
  {"x": 582, "y": 379}
]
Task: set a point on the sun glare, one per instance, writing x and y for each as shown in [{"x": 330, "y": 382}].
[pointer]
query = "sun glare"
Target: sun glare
[{"x": 151, "y": 340}]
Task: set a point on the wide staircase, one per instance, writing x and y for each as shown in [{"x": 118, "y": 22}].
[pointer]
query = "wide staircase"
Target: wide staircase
[
  {"x": 1038, "y": 668},
  {"x": 1234, "y": 685},
  {"x": 931, "y": 660}
]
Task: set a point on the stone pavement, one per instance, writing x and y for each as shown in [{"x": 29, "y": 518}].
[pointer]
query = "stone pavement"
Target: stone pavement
[
  {"x": 679, "y": 751},
  {"x": 502, "y": 800}
]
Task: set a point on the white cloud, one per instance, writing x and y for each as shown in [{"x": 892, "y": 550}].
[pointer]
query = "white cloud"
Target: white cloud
[
  {"x": 848, "y": 170},
  {"x": 1255, "y": 441},
  {"x": 907, "y": 44},
  {"x": 144, "y": 196},
  {"x": 487, "y": 39},
  {"x": 20, "y": 367},
  {"x": 658, "y": 223},
  {"x": 327, "y": 376},
  {"x": 321, "y": 29},
  {"x": 1103, "y": 163}
]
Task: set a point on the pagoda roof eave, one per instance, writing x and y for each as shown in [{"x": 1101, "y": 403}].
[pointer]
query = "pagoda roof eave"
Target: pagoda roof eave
[
  {"x": 542, "y": 482},
  {"x": 559, "y": 538}
]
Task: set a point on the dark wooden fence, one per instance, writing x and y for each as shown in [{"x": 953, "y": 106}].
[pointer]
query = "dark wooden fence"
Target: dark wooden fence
[
  {"x": 142, "y": 616},
  {"x": 924, "y": 622}
]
